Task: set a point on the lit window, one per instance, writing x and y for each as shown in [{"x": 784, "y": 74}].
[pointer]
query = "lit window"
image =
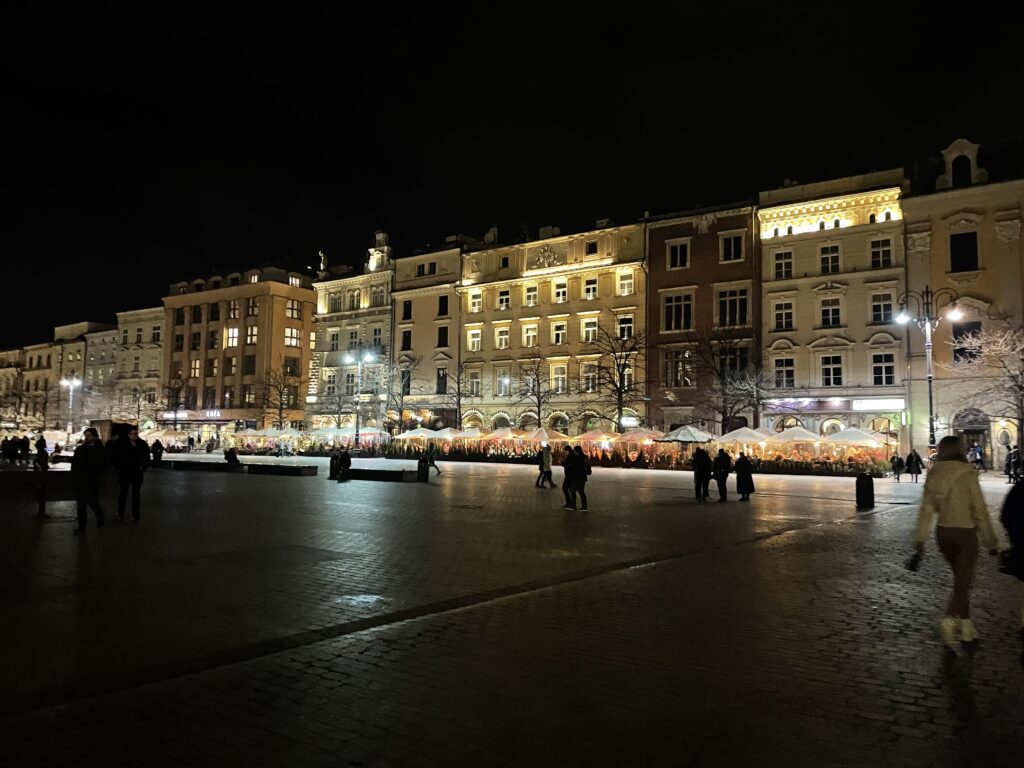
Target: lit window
[
  {"x": 473, "y": 383},
  {"x": 293, "y": 281},
  {"x": 561, "y": 292},
  {"x": 590, "y": 288},
  {"x": 588, "y": 377},
  {"x": 476, "y": 301},
  {"x": 473, "y": 340},
  {"x": 254, "y": 278},
  {"x": 293, "y": 309},
  {"x": 560, "y": 378},
  {"x": 679, "y": 368},
  {"x": 589, "y": 327},
  {"x": 194, "y": 369},
  {"x": 531, "y": 295},
  {"x": 502, "y": 382},
  {"x": 626, "y": 284},
  {"x": 312, "y": 339},
  {"x": 252, "y": 307},
  {"x": 291, "y": 337},
  {"x": 529, "y": 335},
  {"x": 504, "y": 299},
  {"x": 559, "y": 332},
  {"x": 233, "y": 309},
  {"x": 251, "y": 334},
  {"x": 501, "y": 338}
]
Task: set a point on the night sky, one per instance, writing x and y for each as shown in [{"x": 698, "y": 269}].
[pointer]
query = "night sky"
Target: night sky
[{"x": 146, "y": 147}]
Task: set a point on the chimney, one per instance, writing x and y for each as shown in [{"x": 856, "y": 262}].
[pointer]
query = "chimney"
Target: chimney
[
  {"x": 603, "y": 224},
  {"x": 549, "y": 231}
]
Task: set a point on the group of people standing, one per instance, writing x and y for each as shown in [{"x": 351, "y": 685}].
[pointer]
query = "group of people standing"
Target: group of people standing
[
  {"x": 575, "y": 471},
  {"x": 15, "y": 450},
  {"x": 128, "y": 454},
  {"x": 913, "y": 465},
  {"x": 704, "y": 469}
]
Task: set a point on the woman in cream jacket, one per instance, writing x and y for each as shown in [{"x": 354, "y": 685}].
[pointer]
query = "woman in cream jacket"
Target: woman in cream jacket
[{"x": 952, "y": 495}]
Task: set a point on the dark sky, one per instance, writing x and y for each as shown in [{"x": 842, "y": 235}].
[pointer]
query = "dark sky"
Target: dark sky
[{"x": 148, "y": 146}]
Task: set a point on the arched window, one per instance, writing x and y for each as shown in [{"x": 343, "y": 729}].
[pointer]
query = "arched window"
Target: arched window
[
  {"x": 353, "y": 299},
  {"x": 559, "y": 423},
  {"x": 835, "y": 224},
  {"x": 786, "y": 422},
  {"x": 821, "y": 224},
  {"x": 871, "y": 218},
  {"x": 961, "y": 171},
  {"x": 528, "y": 421},
  {"x": 830, "y": 427},
  {"x": 500, "y": 422},
  {"x": 776, "y": 232},
  {"x": 789, "y": 230},
  {"x": 888, "y": 215}
]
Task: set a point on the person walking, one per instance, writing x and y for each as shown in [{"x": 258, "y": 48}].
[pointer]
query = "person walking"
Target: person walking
[
  {"x": 344, "y": 465},
  {"x": 545, "y": 467},
  {"x": 701, "y": 473},
  {"x": 191, "y": 443},
  {"x": 897, "y": 466},
  {"x": 540, "y": 468},
  {"x": 1012, "y": 518},
  {"x": 952, "y": 496},
  {"x": 432, "y": 456},
  {"x": 568, "y": 472},
  {"x": 42, "y": 462},
  {"x": 88, "y": 464},
  {"x": 580, "y": 471},
  {"x": 721, "y": 468},
  {"x": 157, "y": 450},
  {"x": 744, "y": 477},
  {"x": 131, "y": 460},
  {"x": 913, "y": 464}
]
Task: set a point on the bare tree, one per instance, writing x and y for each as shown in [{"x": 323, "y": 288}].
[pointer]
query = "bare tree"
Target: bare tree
[
  {"x": 535, "y": 388},
  {"x": 994, "y": 359},
  {"x": 11, "y": 401},
  {"x": 280, "y": 392},
  {"x": 397, "y": 383},
  {"x": 728, "y": 383},
  {"x": 172, "y": 398},
  {"x": 614, "y": 379},
  {"x": 458, "y": 386}
]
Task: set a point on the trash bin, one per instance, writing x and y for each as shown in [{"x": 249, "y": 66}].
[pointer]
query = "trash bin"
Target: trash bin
[
  {"x": 865, "y": 491},
  {"x": 422, "y": 470},
  {"x": 335, "y": 467}
]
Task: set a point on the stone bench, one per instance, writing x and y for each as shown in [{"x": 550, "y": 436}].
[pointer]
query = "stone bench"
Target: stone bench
[
  {"x": 386, "y": 475},
  {"x": 289, "y": 470}
]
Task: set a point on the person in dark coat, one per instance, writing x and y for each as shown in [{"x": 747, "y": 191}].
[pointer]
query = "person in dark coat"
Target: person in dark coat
[
  {"x": 87, "y": 467},
  {"x": 744, "y": 477},
  {"x": 231, "y": 455},
  {"x": 897, "y": 466},
  {"x": 157, "y": 450},
  {"x": 130, "y": 457},
  {"x": 1012, "y": 518},
  {"x": 701, "y": 473},
  {"x": 344, "y": 465},
  {"x": 913, "y": 464},
  {"x": 24, "y": 449},
  {"x": 721, "y": 468},
  {"x": 568, "y": 472},
  {"x": 42, "y": 462},
  {"x": 580, "y": 471}
]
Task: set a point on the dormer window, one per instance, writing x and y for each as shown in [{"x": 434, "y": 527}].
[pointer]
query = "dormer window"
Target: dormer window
[
  {"x": 961, "y": 171},
  {"x": 821, "y": 224},
  {"x": 835, "y": 224},
  {"x": 871, "y": 219}
]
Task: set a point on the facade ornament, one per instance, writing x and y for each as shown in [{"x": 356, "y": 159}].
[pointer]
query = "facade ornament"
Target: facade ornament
[
  {"x": 704, "y": 222},
  {"x": 1008, "y": 231},
  {"x": 919, "y": 242},
  {"x": 547, "y": 257}
]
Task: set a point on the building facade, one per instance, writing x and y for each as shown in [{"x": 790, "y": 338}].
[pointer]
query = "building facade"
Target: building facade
[
  {"x": 139, "y": 352},
  {"x": 98, "y": 401},
  {"x": 963, "y": 234},
  {"x": 353, "y": 338},
  {"x": 832, "y": 272},
  {"x": 11, "y": 389},
  {"x": 236, "y": 351},
  {"x": 703, "y": 316},
  {"x": 428, "y": 324},
  {"x": 540, "y": 324}
]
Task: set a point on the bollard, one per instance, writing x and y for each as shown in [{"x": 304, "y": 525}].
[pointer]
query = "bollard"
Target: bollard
[
  {"x": 865, "y": 491},
  {"x": 335, "y": 467},
  {"x": 422, "y": 470}
]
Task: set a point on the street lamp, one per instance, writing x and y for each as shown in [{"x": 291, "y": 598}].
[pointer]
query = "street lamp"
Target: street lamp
[
  {"x": 925, "y": 306},
  {"x": 367, "y": 357},
  {"x": 72, "y": 384}
]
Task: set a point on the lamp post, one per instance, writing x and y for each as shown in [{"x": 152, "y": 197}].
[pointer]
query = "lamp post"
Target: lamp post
[
  {"x": 925, "y": 306},
  {"x": 366, "y": 357},
  {"x": 72, "y": 384}
]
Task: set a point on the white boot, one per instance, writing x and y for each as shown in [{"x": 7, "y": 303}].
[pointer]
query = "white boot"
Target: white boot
[
  {"x": 948, "y": 630},
  {"x": 968, "y": 634}
]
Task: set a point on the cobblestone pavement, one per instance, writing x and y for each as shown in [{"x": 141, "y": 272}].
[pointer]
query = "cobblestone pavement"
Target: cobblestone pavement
[{"x": 292, "y": 621}]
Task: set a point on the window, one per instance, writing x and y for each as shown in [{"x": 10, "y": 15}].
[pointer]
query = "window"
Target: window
[
  {"x": 155, "y": 335},
  {"x": 559, "y": 332},
  {"x": 560, "y": 378},
  {"x": 213, "y": 339},
  {"x": 442, "y": 306},
  {"x": 677, "y": 311},
  {"x": 294, "y": 282},
  {"x": 291, "y": 337},
  {"x": 350, "y": 384},
  {"x": 883, "y": 368},
  {"x": 124, "y": 336},
  {"x": 193, "y": 369},
  {"x": 733, "y": 359},
  {"x": 785, "y": 372},
  {"x": 212, "y": 364},
  {"x": 732, "y": 307},
  {"x": 334, "y": 302},
  {"x": 476, "y": 301},
  {"x": 251, "y": 334},
  {"x": 679, "y": 368},
  {"x": 783, "y": 265},
  {"x": 473, "y": 383},
  {"x": 421, "y": 270},
  {"x": 502, "y": 382},
  {"x": 230, "y": 366},
  {"x": 529, "y": 335},
  {"x": 432, "y": 268},
  {"x": 228, "y": 398},
  {"x": 677, "y": 254},
  {"x": 406, "y": 379},
  {"x": 197, "y": 314},
  {"x": 504, "y": 299},
  {"x": 312, "y": 340},
  {"x": 233, "y": 309},
  {"x": 377, "y": 337},
  {"x": 332, "y": 340},
  {"x": 136, "y": 366},
  {"x": 353, "y": 339},
  {"x": 588, "y": 377},
  {"x": 254, "y": 278},
  {"x": 196, "y": 341},
  {"x": 248, "y": 365},
  {"x": 881, "y": 308},
  {"x": 732, "y": 248},
  {"x": 293, "y": 309},
  {"x": 190, "y": 397},
  {"x": 783, "y": 315},
  {"x": 442, "y": 336},
  {"x": 627, "y": 378},
  {"x": 561, "y": 291},
  {"x": 473, "y": 340},
  {"x": 406, "y": 341},
  {"x": 442, "y": 381},
  {"x": 829, "y": 259},
  {"x": 407, "y": 310},
  {"x": 960, "y": 330},
  {"x": 590, "y": 329},
  {"x": 248, "y": 395},
  {"x": 881, "y": 253},
  {"x": 626, "y": 327},
  {"x": 830, "y": 313},
  {"x": 831, "y": 370},
  {"x": 290, "y": 366},
  {"x": 626, "y": 284},
  {"x": 591, "y": 247},
  {"x": 209, "y": 397},
  {"x": 501, "y": 338},
  {"x": 590, "y": 288},
  {"x": 179, "y": 317},
  {"x": 232, "y": 337},
  {"x": 531, "y": 296},
  {"x": 138, "y": 335},
  {"x": 504, "y": 262},
  {"x": 963, "y": 252},
  {"x": 213, "y": 312},
  {"x": 252, "y": 307},
  {"x": 377, "y": 296}
]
